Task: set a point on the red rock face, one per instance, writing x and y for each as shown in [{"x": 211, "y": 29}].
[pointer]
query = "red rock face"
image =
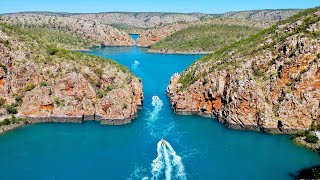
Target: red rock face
[
  {"x": 66, "y": 90},
  {"x": 274, "y": 89}
]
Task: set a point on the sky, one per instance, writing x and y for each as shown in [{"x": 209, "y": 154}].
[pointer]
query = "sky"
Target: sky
[{"x": 185, "y": 6}]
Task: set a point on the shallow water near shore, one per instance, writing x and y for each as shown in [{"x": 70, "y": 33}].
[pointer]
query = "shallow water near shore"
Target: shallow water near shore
[{"x": 207, "y": 149}]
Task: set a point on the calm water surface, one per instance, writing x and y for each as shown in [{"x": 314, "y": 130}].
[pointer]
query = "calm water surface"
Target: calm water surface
[{"x": 207, "y": 149}]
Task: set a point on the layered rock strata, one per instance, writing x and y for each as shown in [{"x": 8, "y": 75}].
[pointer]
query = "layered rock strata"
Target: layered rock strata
[
  {"x": 46, "y": 84},
  {"x": 269, "y": 82}
]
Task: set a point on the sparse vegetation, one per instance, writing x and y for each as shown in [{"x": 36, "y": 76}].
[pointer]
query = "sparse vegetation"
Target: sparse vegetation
[
  {"x": 43, "y": 84},
  {"x": 59, "y": 38},
  {"x": 11, "y": 108},
  {"x": 204, "y": 38},
  {"x": 59, "y": 102},
  {"x": 311, "y": 138},
  {"x": 52, "y": 50},
  {"x": 227, "y": 57},
  {"x": 18, "y": 99},
  {"x": 2, "y": 101},
  {"x": 99, "y": 72},
  {"x": 109, "y": 88},
  {"x": 29, "y": 87},
  {"x": 4, "y": 68},
  {"x": 12, "y": 120}
]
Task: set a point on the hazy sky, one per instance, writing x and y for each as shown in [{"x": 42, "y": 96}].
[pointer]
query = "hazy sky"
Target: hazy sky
[{"x": 206, "y": 6}]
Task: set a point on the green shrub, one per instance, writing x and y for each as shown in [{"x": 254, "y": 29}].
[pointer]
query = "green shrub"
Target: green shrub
[
  {"x": 43, "y": 84},
  {"x": 5, "y": 122},
  {"x": 6, "y": 43},
  {"x": 299, "y": 134},
  {"x": 18, "y": 99},
  {"x": 58, "y": 102},
  {"x": 12, "y": 109},
  {"x": 310, "y": 138},
  {"x": 4, "y": 68},
  {"x": 99, "y": 72},
  {"x": 79, "y": 97},
  {"x": 315, "y": 126},
  {"x": 100, "y": 93},
  {"x": 2, "y": 101},
  {"x": 29, "y": 87},
  {"x": 52, "y": 50},
  {"x": 109, "y": 88},
  {"x": 15, "y": 120}
]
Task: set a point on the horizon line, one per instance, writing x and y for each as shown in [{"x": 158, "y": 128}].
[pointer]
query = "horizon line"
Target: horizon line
[{"x": 173, "y": 12}]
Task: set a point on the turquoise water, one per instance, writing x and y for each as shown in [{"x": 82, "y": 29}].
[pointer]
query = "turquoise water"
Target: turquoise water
[
  {"x": 134, "y": 37},
  {"x": 207, "y": 149}
]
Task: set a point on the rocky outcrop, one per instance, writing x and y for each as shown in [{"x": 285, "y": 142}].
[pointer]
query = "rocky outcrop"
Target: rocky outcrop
[
  {"x": 152, "y": 36},
  {"x": 44, "y": 84},
  {"x": 100, "y": 33},
  {"x": 269, "y": 82}
]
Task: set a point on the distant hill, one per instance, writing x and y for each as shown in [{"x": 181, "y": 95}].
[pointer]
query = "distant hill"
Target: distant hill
[{"x": 263, "y": 15}]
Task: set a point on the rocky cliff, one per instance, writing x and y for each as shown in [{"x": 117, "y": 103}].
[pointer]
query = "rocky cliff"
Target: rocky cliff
[
  {"x": 43, "y": 83},
  {"x": 268, "y": 82},
  {"x": 100, "y": 33}
]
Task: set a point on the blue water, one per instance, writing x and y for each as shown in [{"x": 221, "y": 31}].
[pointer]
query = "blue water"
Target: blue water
[
  {"x": 134, "y": 37},
  {"x": 207, "y": 149}
]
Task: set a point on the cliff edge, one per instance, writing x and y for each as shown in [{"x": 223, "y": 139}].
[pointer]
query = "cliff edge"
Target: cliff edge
[
  {"x": 43, "y": 83},
  {"x": 268, "y": 82}
]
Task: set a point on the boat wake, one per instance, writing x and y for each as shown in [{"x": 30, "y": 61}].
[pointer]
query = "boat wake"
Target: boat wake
[
  {"x": 168, "y": 164},
  {"x": 135, "y": 65},
  {"x": 156, "y": 128},
  {"x": 157, "y": 106}
]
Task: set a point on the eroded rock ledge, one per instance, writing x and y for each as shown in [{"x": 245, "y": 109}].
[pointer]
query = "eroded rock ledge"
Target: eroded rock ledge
[{"x": 268, "y": 83}]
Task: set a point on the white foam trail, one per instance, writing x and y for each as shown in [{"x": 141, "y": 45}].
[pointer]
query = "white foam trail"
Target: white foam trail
[
  {"x": 157, "y": 164},
  {"x": 177, "y": 163},
  {"x": 157, "y": 106},
  {"x": 135, "y": 64},
  {"x": 169, "y": 161}
]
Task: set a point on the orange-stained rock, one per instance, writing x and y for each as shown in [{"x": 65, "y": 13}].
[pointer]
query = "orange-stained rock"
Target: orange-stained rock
[
  {"x": 1, "y": 82},
  {"x": 62, "y": 89},
  {"x": 217, "y": 104},
  {"x": 48, "y": 107},
  {"x": 275, "y": 88}
]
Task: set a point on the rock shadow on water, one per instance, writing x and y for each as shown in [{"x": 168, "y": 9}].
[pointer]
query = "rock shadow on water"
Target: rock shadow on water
[{"x": 307, "y": 173}]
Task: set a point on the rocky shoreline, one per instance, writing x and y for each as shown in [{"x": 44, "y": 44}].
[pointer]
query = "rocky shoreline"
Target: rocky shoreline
[
  {"x": 66, "y": 119},
  {"x": 271, "y": 85},
  {"x": 233, "y": 125}
]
